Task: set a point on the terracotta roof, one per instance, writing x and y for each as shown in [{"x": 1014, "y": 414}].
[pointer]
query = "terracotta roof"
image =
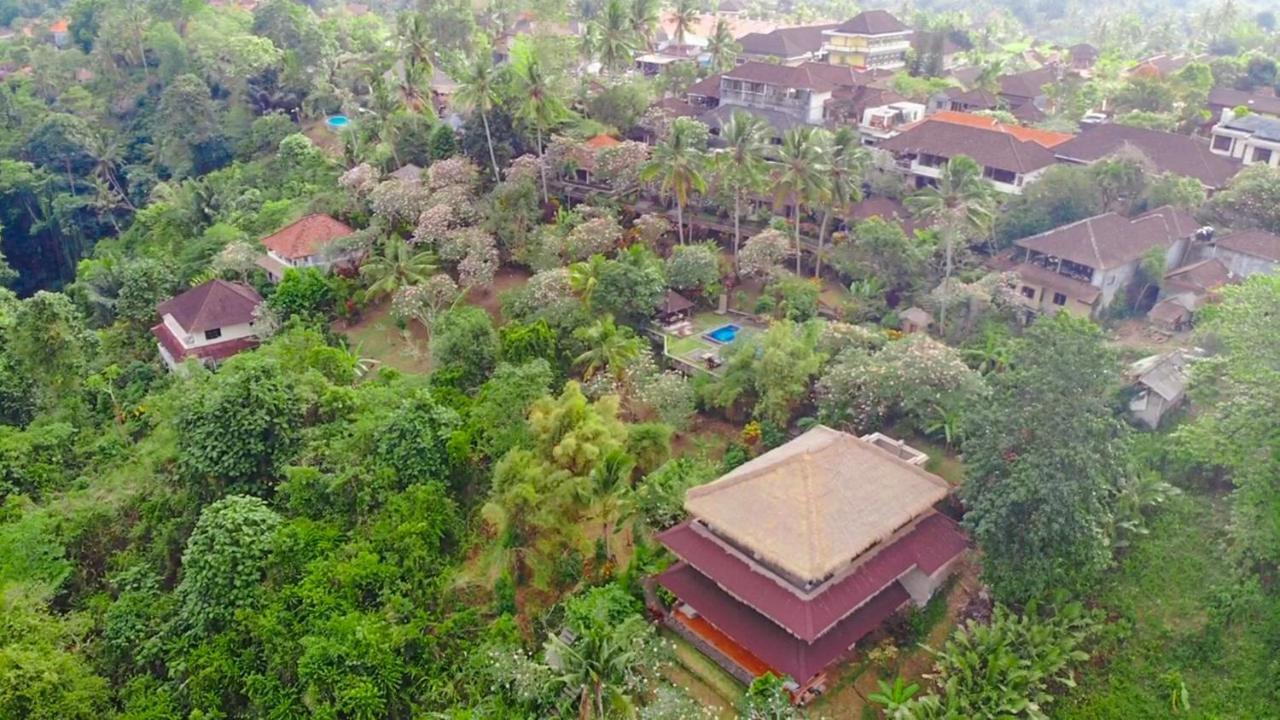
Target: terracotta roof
[
  {"x": 927, "y": 545},
  {"x": 677, "y": 107},
  {"x": 211, "y": 305},
  {"x": 307, "y": 236},
  {"x": 1043, "y": 138},
  {"x": 790, "y": 42},
  {"x": 779, "y": 121},
  {"x": 1256, "y": 243},
  {"x": 213, "y": 351},
  {"x": 991, "y": 148},
  {"x": 1028, "y": 112},
  {"x": 1168, "y": 152},
  {"x": 59, "y": 26},
  {"x": 1225, "y": 97},
  {"x": 975, "y": 98},
  {"x": 1199, "y": 277},
  {"x": 1029, "y": 84},
  {"x": 765, "y": 639},
  {"x": 872, "y": 22},
  {"x": 602, "y": 141},
  {"x": 1050, "y": 280},
  {"x": 1111, "y": 240},
  {"x": 812, "y": 505},
  {"x": 1161, "y": 65}
]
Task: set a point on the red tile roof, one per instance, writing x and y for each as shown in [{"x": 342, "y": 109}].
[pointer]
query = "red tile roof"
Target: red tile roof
[
  {"x": 1043, "y": 138},
  {"x": 932, "y": 543},
  {"x": 307, "y": 236},
  {"x": 1257, "y": 243},
  {"x": 1111, "y": 240},
  {"x": 766, "y": 640},
  {"x": 1199, "y": 277},
  {"x": 992, "y": 148},
  {"x": 601, "y": 141},
  {"x": 59, "y": 26},
  {"x": 1168, "y": 152},
  {"x": 872, "y": 22},
  {"x": 212, "y": 305}
]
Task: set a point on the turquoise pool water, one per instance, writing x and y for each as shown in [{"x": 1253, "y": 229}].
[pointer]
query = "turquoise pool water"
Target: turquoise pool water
[
  {"x": 338, "y": 122},
  {"x": 724, "y": 334}
]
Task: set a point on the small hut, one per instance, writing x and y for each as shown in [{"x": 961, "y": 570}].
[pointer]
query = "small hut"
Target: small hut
[{"x": 915, "y": 320}]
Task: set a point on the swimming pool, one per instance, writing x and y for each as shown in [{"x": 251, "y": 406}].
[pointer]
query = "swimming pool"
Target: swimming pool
[
  {"x": 337, "y": 122},
  {"x": 724, "y": 334}
]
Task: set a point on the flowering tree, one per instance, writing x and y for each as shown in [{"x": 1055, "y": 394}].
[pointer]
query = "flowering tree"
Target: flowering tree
[
  {"x": 359, "y": 180},
  {"x": 650, "y": 228},
  {"x": 598, "y": 235},
  {"x": 479, "y": 260},
  {"x": 693, "y": 267},
  {"x": 238, "y": 257},
  {"x": 433, "y": 225},
  {"x": 398, "y": 203},
  {"x": 425, "y": 302},
  {"x": 762, "y": 254},
  {"x": 523, "y": 168},
  {"x": 455, "y": 171},
  {"x": 620, "y": 165},
  {"x": 915, "y": 378}
]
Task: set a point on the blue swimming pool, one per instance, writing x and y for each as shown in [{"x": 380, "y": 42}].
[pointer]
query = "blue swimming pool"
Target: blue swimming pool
[
  {"x": 337, "y": 122},
  {"x": 724, "y": 334}
]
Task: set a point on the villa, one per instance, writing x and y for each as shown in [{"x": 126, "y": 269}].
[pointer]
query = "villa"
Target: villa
[
  {"x": 870, "y": 39},
  {"x": 305, "y": 243},
  {"x": 210, "y": 322},
  {"x": 1008, "y": 160},
  {"x": 791, "y": 559}
]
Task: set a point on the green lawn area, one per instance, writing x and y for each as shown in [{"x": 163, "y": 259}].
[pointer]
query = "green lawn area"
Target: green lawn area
[
  {"x": 1166, "y": 588},
  {"x": 692, "y": 347},
  {"x": 378, "y": 337},
  {"x": 704, "y": 680}
]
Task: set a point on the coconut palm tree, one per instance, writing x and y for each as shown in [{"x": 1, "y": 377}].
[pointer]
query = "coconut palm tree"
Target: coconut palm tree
[
  {"x": 722, "y": 47},
  {"x": 644, "y": 18},
  {"x": 609, "y": 345},
  {"x": 615, "y": 39},
  {"x": 676, "y": 163},
  {"x": 685, "y": 15},
  {"x": 801, "y": 173},
  {"x": 413, "y": 38},
  {"x": 538, "y": 102},
  {"x": 848, "y": 163},
  {"x": 961, "y": 206},
  {"x": 478, "y": 82},
  {"x": 584, "y": 277},
  {"x": 609, "y": 478},
  {"x": 594, "y": 668},
  {"x": 741, "y": 164},
  {"x": 397, "y": 266}
]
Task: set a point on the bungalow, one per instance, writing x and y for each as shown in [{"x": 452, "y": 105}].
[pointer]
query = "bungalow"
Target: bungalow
[
  {"x": 870, "y": 39},
  {"x": 789, "y": 560},
  {"x": 1082, "y": 266},
  {"x": 305, "y": 243},
  {"x": 1083, "y": 57},
  {"x": 1252, "y": 139},
  {"x": 1025, "y": 92},
  {"x": 1228, "y": 98},
  {"x": 210, "y": 322},
  {"x": 1160, "y": 384},
  {"x": 1167, "y": 152},
  {"x": 784, "y": 46},
  {"x": 1008, "y": 162},
  {"x": 882, "y": 122},
  {"x": 60, "y": 33}
]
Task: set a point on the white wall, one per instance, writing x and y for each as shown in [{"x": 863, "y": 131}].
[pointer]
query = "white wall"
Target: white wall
[{"x": 196, "y": 340}]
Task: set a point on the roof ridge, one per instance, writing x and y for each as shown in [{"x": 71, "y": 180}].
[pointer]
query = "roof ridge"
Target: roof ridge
[{"x": 1093, "y": 243}]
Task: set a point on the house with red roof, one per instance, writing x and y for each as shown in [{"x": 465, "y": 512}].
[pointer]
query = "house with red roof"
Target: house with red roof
[
  {"x": 60, "y": 32},
  {"x": 791, "y": 559},
  {"x": 308, "y": 242},
  {"x": 210, "y": 323},
  {"x": 1009, "y": 159}
]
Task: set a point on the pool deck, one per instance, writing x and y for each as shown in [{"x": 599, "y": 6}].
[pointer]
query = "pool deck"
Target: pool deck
[{"x": 690, "y": 350}]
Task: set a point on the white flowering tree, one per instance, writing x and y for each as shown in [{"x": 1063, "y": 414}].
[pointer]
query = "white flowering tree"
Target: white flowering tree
[
  {"x": 694, "y": 267},
  {"x": 425, "y": 302},
  {"x": 650, "y": 228},
  {"x": 399, "y": 203},
  {"x": 239, "y": 257},
  {"x": 599, "y": 235},
  {"x": 620, "y": 164},
  {"x": 456, "y": 171},
  {"x": 762, "y": 254}
]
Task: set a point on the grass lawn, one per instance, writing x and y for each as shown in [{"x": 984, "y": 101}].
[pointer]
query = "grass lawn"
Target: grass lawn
[
  {"x": 692, "y": 347},
  {"x": 1165, "y": 588},
  {"x": 376, "y": 336},
  {"x": 704, "y": 680}
]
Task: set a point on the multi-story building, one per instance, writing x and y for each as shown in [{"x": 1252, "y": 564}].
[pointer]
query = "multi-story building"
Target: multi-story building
[
  {"x": 792, "y": 558},
  {"x": 210, "y": 322},
  {"x": 1250, "y": 138},
  {"x": 871, "y": 39}
]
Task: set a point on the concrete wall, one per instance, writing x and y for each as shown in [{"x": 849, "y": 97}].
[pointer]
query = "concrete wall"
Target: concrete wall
[{"x": 197, "y": 340}]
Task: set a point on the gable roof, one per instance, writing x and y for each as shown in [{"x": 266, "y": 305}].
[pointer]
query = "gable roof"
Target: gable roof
[
  {"x": 814, "y": 504},
  {"x": 211, "y": 305},
  {"x": 1028, "y": 84},
  {"x": 1111, "y": 240},
  {"x": 1227, "y": 97},
  {"x": 1255, "y": 243},
  {"x": 1168, "y": 152},
  {"x": 988, "y": 147},
  {"x": 1259, "y": 126},
  {"x": 872, "y": 22},
  {"x": 1043, "y": 138},
  {"x": 819, "y": 77},
  {"x": 976, "y": 98},
  {"x": 708, "y": 86},
  {"x": 789, "y": 42},
  {"x": 1199, "y": 277},
  {"x": 1165, "y": 374},
  {"x": 307, "y": 236},
  {"x": 1083, "y": 51}
]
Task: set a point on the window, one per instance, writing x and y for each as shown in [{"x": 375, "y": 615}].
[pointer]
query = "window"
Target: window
[
  {"x": 1222, "y": 142},
  {"x": 1261, "y": 155},
  {"x": 213, "y": 334},
  {"x": 1059, "y": 299},
  {"x": 1028, "y": 292}
]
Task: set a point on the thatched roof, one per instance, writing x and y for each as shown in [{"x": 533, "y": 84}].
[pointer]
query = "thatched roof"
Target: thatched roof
[{"x": 813, "y": 505}]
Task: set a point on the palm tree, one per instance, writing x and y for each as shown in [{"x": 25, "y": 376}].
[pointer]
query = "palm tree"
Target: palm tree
[
  {"x": 960, "y": 205},
  {"x": 677, "y": 164},
  {"x": 609, "y": 478},
  {"x": 539, "y": 104},
  {"x": 848, "y": 162},
  {"x": 685, "y": 15},
  {"x": 414, "y": 40},
  {"x": 584, "y": 277},
  {"x": 478, "y": 81},
  {"x": 595, "y": 667},
  {"x": 801, "y": 173},
  {"x": 722, "y": 47},
  {"x": 644, "y": 18},
  {"x": 741, "y": 164},
  {"x": 615, "y": 39},
  {"x": 609, "y": 345},
  {"x": 397, "y": 266}
]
